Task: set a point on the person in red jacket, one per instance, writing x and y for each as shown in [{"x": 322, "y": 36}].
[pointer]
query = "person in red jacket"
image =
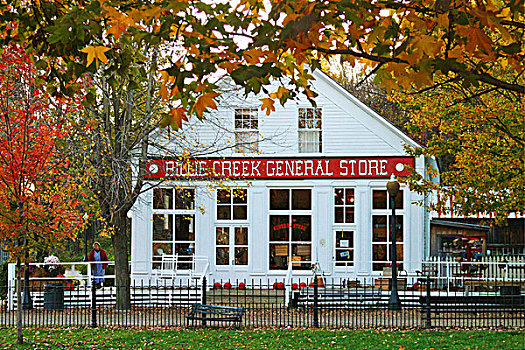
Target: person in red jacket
[{"x": 98, "y": 269}]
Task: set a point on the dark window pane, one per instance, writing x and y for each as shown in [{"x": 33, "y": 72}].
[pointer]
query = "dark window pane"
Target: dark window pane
[
  {"x": 399, "y": 227},
  {"x": 301, "y": 252},
  {"x": 399, "y": 200},
  {"x": 223, "y": 256},
  {"x": 379, "y": 228},
  {"x": 223, "y": 197},
  {"x": 378, "y": 266},
  {"x": 278, "y": 256},
  {"x": 350, "y": 197},
  {"x": 379, "y": 199},
  {"x": 162, "y": 198},
  {"x": 379, "y": 252},
  {"x": 349, "y": 214},
  {"x": 241, "y": 256},
  {"x": 344, "y": 239},
  {"x": 338, "y": 196},
  {"x": 240, "y": 212},
  {"x": 279, "y": 227},
  {"x": 344, "y": 255},
  {"x": 301, "y": 199},
  {"x": 160, "y": 249},
  {"x": 185, "y": 199},
  {"x": 338, "y": 215},
  {"x": 184, "y": 228},
  {"x": 240, "y": 196},
  {"x": 399, "y": 252},
  {"x": 222, "y": 236},
  {"x": 162, "y": 227},
  {"x": 279, "y": 199},
  {"x": 184, "y": 249},
  {"x": 241, "y": 235},
  {"x": 223, "y": 212},
  {"x": 301, "y": 228}
]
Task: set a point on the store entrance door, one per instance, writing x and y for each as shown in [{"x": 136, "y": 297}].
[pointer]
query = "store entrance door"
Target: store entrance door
[{"x": 231, "y": 248}]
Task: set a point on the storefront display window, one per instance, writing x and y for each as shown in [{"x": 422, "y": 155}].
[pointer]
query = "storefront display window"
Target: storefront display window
[
  {"x": 173, "y": 225},
  {"x": 290, "y": 228},
  {"x": 381, "y": 229}
]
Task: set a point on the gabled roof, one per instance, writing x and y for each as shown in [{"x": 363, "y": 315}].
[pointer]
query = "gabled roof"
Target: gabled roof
[{"x": 318, "y": 74}]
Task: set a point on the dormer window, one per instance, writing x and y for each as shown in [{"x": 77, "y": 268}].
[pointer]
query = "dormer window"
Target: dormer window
[
  {"x": 310, "y": 130},
  {"x": 246, "y": 125}
]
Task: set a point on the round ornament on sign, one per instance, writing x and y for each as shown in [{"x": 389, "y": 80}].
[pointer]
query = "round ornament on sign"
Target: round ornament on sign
[
  {"x": 153, "y": 168},
  {"x": 400, "y": 167}
]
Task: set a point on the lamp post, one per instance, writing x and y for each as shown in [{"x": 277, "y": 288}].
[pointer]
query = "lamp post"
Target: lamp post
[
  {"x": 392, "y": 187},
  {"x": 85, "y": 217}
]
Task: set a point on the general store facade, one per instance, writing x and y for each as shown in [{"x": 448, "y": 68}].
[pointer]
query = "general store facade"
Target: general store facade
[{"x": 305, "y": 185}]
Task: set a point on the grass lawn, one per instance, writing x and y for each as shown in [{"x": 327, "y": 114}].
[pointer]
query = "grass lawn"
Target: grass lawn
[{"x": 136, "y": 339}]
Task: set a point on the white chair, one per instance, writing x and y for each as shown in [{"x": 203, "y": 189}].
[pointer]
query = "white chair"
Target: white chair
[{"x": 168, "y": 268}]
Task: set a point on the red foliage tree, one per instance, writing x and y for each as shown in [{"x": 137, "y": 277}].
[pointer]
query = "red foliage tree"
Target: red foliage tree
[{"x": 38, "y": 198}]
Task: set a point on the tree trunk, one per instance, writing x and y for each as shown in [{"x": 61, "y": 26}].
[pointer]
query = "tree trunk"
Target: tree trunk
[
  {"x": 18, "y": 284},
  {"x": 122, "y": 279}
]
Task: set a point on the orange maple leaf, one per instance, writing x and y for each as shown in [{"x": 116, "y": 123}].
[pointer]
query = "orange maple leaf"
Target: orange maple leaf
[
  {"x": 177, "y": 116},
  {"x": 268, "y": 104},
  {"x": 117, "y": 29},
  {"x": 205, "y": 101}
]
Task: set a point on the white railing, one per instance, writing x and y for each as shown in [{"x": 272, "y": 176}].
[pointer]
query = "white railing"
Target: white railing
[
  {"x": 288, "y": 279},
  {"x": 174, "y": 266},
  {"x": 449, "y": 271}
]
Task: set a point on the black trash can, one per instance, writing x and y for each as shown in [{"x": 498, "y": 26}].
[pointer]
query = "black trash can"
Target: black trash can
[
  {"x": 54, "y": 296},
  {"x": 510, "y": 290}
]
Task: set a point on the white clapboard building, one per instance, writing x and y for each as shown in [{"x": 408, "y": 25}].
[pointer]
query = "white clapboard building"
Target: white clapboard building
[{"x": 305, "y": 185}]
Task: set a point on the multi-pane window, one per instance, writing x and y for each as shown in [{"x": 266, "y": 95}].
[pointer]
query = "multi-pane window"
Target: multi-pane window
[
  {"x": 290, "y": 228},
  {"x": 231, "y": 245},
  {"x": 232, "y": 204},
  {"x": 344, "y": 248},
  {"x": 344, "y": 220},
  {"x": 310, "y": 130},
  {"x": 173, "y": 224},
  {"x": 382, "y": 229},
  {"x": 344, "y": 205},
  {"x": 246, "y": 125}
]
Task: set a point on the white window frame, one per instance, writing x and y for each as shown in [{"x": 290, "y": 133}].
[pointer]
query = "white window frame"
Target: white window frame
[
  {"x": 400, "y": 215},
  {"x": 310, "y": 130},
  {"x": 156, "y": 259},
  {"x": 246, "y": 133},
  {"x": 291, "y": 212},
  {"x": 344, "y": 226},
  {"x": 231, "y": 205}
]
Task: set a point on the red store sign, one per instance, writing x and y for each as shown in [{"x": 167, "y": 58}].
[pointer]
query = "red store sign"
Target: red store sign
[{"x": 279, "y": 168}]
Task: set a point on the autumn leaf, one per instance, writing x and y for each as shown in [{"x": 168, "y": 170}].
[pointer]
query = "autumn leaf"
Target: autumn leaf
[
  {"x": 177, "y": 116},
  {"x": 117, "y": 29},
  {"x": 268, "y": 104},
  {"x": 478, "y": 38},
  {"x": 205, "y": 101},
  {"x": 164, "y": 93},
  {"x": 253, "y": 56},
  {"x": 95, "y": 52},
  {"x": 281, "y": 91}
]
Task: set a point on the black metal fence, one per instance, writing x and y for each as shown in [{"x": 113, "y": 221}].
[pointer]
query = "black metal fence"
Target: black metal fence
[{"x": 362, "y": 303}]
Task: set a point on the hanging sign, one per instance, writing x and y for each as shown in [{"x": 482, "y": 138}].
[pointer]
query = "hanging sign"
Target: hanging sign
[{"x": 279, "y": 168}]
